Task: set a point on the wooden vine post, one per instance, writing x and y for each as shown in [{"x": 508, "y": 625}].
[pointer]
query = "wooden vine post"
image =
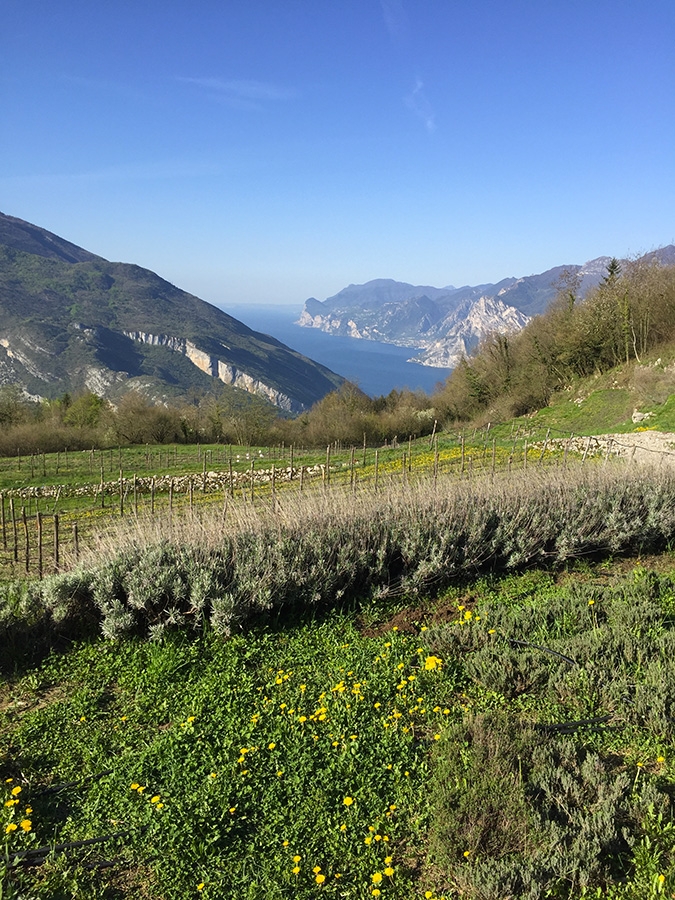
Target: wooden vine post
[
  {"x": 38, "y": 519},
  {"x": 57, "y": 554},
  {"x": 25, "y": 536},
  {"x": 12, "y": 513}
]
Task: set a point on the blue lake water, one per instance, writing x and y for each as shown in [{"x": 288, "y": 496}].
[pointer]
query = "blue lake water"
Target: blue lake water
[{"x": 376, "y": 367}]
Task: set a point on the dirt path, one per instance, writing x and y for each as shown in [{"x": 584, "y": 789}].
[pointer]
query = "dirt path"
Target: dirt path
[{"x": 650, "y": 447}]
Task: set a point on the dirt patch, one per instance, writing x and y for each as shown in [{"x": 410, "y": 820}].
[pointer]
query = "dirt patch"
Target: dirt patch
[
  {"x": 647, "y": 447},
  {"x": 15, "y": 703},
  {"x": 412, "y": 619}
]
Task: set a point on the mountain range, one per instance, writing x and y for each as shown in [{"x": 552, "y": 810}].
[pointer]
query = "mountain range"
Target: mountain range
[
  {"x": 71, "y": 321},
  {"x": 444, "y": 324}
]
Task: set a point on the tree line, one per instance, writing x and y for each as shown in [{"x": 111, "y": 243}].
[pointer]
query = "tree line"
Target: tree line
[{"x": 83, "y": 421}]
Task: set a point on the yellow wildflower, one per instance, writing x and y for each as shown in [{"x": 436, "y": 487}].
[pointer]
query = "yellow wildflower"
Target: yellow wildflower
[{"x": 432, "y": 662}]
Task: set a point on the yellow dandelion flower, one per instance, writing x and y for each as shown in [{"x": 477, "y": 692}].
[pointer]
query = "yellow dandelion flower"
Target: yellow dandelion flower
[
  {"x": 348, "y": 801},
  {"x": 271, "y": 746},
  {"x": 660, "y": 759},
  {"x": 316, "y": 870},
  {"x": 10, "y": 828},
  {"x": 389, "y": 871},
  {"x": 295, "y": 870},
  {"x": 29, "y": 810},
  {"x": 320, "y": 878},
  {"x": 368, "y": 840},
  {"x": 200, "y": 886},
  {"x": 376, "y": 892},
  {"x": 376, "y": 878},
  {"x": 388, "y": 860},
  {"x": 16, "y": 791},
  {"x": 297, "y": 858},
  {"x": 26, "y": 825}
]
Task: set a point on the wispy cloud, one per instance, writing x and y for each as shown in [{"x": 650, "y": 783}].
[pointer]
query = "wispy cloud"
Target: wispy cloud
[
  {"x": 243, "y": 94},
  {"x": 395, "y": 18},
  {"x": 418, "y": 102}
]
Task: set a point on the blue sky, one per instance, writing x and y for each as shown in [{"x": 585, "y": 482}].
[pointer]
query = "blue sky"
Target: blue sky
[{"x": 262, "y": 151}]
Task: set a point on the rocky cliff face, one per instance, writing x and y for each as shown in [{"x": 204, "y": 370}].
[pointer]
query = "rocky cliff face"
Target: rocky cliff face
[
  {"x": 217, "y": 368},
  {"x": 485, "y": 316},
  {"x": 443, "y": 328}
]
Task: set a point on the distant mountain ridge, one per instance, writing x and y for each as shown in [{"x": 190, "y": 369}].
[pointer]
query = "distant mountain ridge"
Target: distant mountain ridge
[
  {"x": 447, "y": 323},
  {"x": 71, "y": 320}
]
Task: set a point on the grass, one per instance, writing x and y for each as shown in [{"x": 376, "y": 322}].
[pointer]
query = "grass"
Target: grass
[{"x": 348, "y": 747}]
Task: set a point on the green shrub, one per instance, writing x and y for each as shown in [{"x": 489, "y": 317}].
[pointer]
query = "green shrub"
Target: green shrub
[{"x": 520, "y": 814}]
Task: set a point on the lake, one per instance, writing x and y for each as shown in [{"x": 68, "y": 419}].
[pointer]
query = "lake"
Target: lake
[{"x": 376, "y": 367}]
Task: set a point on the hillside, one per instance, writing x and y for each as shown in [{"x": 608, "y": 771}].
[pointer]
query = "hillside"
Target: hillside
[
  {"x": 447, "y": 323},
  {"x": 70, "y": 320}
]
